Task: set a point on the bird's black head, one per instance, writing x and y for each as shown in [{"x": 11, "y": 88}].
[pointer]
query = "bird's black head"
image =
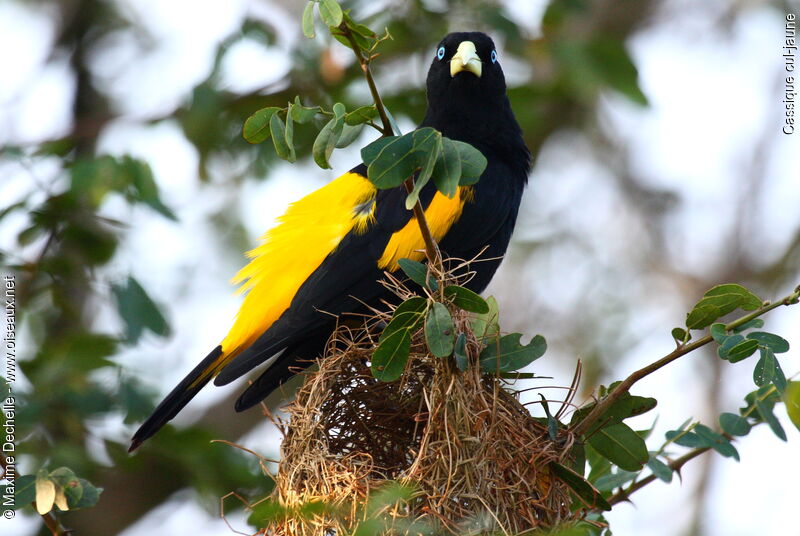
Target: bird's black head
[
  {"x": 465, "y": 69},
  {"x": 467, "y": 96}
]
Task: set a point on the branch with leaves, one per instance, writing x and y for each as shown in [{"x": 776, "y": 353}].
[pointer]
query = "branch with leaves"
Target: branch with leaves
[
  {"x": 411, "y": 160},
  {"x": 609, "y": 443},
  {"x": 616, "y": 454}
]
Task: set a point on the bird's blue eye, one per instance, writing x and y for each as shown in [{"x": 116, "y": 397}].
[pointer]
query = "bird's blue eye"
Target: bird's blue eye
[
  {"x": 440, "y": 53},
  {"x": 494, "y": 56}
]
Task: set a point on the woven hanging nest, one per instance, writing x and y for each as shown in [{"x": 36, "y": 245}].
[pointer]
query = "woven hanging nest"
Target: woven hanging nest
[{"x": 476, "y": 460}]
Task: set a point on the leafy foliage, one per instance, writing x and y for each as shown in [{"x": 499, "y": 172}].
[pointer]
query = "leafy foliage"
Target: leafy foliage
[
  {"x": 59, "y": 488},
  {"x": 69, "y": 243}
]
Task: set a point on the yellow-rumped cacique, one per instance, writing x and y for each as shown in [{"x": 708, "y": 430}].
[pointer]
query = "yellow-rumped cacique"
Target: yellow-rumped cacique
[{"x": 328, "y": 252}]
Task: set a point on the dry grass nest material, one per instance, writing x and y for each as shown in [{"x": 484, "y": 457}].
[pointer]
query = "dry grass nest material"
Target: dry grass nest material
[{"x": 475, "y": 458}]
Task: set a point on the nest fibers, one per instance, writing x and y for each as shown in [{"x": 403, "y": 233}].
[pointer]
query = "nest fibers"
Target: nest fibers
[{"x": 474, "y": 458}]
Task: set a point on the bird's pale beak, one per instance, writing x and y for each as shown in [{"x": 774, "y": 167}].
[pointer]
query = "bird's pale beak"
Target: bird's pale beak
[{"x": 466, "y": 59}]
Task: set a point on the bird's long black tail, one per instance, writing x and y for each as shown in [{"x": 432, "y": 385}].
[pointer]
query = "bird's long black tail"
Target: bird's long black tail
[{"x": 177, "y": 399}]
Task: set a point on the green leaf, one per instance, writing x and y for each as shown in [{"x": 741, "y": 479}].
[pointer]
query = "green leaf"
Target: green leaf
[
  {"x": 394, "y": 164},
  {"x": 716, "y": 441},
  {"x": 407, "y": 316},
  {"x": 62, "y": 476},
  {"x": 289, "y": 134},
  {"x": 349, "y": 135},
  {"x": 718, "y": 332},
  {"x": 66, "y": 479},
  {"x": 24, "y": 491},
  {"x": 326, "y": 141},
  {"x": 415, "y": 270},
  {"x": 267, "y": 511},
  {"x": 144, "y": 185},
  {"x": 339, "y": 110},
  {"x": 774, "y": 342},
  {"x": 685, "y": 439},
  {"x": 748, "y": 302},
  {"x": 741, "y": 351},
  {"x": 138, "y": 311},
  {"x": 473, "y": 163},
  {"x": 611, "y": 481},
  {"x": 466, "y": 299},
  {"x": 599, "y": 466},
  {"x": 413, "y": 197},
  {"x": 256, "y": 127},
  {"x": 447, "y": 170},
  {"x": 722, "y": 304},
  {"x": 330, "y": 12},
  {"x": 625, "y": 407},
  {"x": 439, "y": 331},
  {"x": 360, "y": 29},
  {"x": 577, "y": 458},
  {"x": 361, "y": 115},
  {"x": 679, "y": 334},
  {"x": 303, "y": 114},
  {"x": 756, "y": 323},
  {"x": 487, "y": 325},
  {"x": 636, "y": 405},
  {"x": 427, "y": 146},
  {"x": 394, "y": 345},
  {"x": 791, "y": 397},
  {"x": 460, "y": 352},
  {"x": 765, "y": 370},
  {"x": 277, "y": 130},
  {"x": 552, "y": 422},
  {"x": 720, "y": 301},
  {"x": 505, "y": 354},
  {"x": 392, "y": 122},
  {"x": 308, "y": 20},
  {"x": 418, "y": 273},
  {"x": 765, "y": 412},
  {"x": 765, "y": 394},
  {"x": 361, "y": 42},
  {"x": 733, "y": 424},
  {"x": 621, "y": 446},
  {"x": 585, "y": 492},
  {"x": 391, "y": 355},
  {"x": 702, "y": 316},
  {"x": 371, "y": 151},
  {"x": 779, "y": 380},
  {"x": 661, "y": 470},
  {"x": 726, "y": 345},
  {"x": 89, "y": 497}
]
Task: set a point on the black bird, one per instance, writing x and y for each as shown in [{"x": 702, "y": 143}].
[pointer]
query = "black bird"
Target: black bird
[{"x": 330, "y": 249}]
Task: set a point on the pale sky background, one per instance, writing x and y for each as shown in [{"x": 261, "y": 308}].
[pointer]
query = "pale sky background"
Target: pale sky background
[{"x": 709, "y": 93}]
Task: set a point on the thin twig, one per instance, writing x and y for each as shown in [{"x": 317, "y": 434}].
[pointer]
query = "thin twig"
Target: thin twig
[
  {"x": 364, "y": 62},
  {"x": 431, "y": 247},
  {"x": 602, "y": 406},
  {"x": 676, "y": 466}
]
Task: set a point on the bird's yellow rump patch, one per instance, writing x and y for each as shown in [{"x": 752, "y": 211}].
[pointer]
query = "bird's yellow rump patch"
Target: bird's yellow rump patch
[
  {"x": 308, "y": 232},
  {"x": 407, "y": 243}
]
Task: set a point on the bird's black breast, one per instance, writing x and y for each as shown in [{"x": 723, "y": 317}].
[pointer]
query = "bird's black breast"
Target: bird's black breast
[{"x": 487, "y": 221}]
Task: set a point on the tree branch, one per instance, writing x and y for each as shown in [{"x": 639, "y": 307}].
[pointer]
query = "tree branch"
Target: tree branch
[
  {"x": 676, "y": 466},
  {"x": 602, "y": 406},
  {"x": 364, "y": 61},
  {"x": 431, "y": 247}
]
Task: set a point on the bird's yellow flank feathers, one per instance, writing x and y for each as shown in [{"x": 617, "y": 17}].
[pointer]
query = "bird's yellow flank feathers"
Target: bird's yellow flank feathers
[
  {"x": 408, "y": 242},
  {"x": 308, "y": 232}
]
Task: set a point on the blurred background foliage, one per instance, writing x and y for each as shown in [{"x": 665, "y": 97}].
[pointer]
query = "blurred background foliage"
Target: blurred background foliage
[{"x": 597, "y": 287}]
